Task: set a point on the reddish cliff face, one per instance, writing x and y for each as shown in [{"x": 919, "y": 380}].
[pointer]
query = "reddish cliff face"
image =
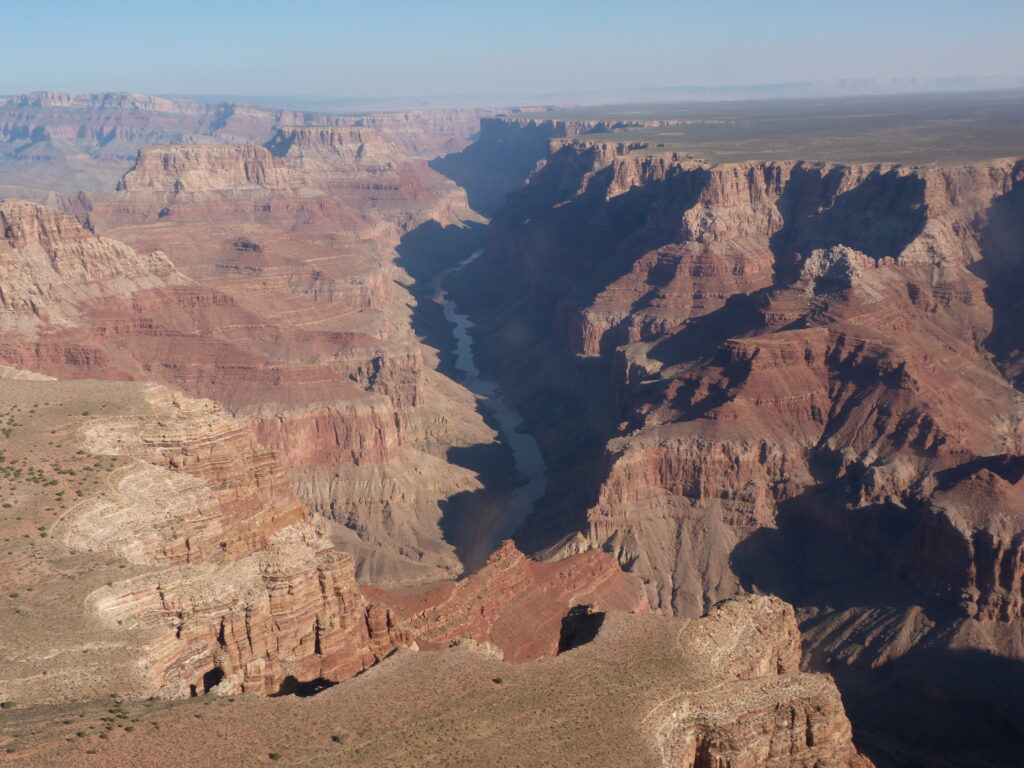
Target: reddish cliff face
[
  {"x": 515, "y": 604},
  {"x": 772, "y": 376}
]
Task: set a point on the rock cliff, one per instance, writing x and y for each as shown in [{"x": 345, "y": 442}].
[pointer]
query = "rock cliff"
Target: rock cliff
[
  {"x": 54, "y": 144},
  {"x": 646, "y": 692},
  {"x": 516, "y": 604},
  {"x": 279, "y": 299},
  {"x": 181, "y": 561},
  {"x": 773, "y": 376}
]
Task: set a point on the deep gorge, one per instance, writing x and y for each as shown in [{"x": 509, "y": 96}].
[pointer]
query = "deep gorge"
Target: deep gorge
[{"x": 757, "y": 423}]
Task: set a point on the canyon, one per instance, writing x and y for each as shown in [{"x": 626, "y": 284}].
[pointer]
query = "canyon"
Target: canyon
[
  {"x": 562, "y": 428},
  {"x": 790, "y": 377}
]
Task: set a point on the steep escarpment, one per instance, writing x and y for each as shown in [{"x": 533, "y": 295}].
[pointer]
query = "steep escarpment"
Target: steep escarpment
[
  {"x": 646, "y": 692},
  {"x": 283, "y": 305},
  {"x": 508, "y": 149},
  {"x": 170, "y": 557},
  {"x": 49, "y": 265},
  {"x": 184, "y": 562},
  {"x": 521, "y": 607},
  {"x": 248, "y": 589},
  {"x": 425, "y": 133},
  {"x": 775, "y": 376},
  {"x": 310, "y": 259}
]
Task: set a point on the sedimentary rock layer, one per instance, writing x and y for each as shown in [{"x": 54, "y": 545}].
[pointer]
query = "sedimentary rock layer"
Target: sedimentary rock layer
[
  {"x": 217, "y": 576},
  {"x": 516, "y": 604},
  {"x": 774, "y": 376},
  {"x": 55, "y": 144},
  {"x": 278, "y": 298},
  {"x": 648, "y": 691}
]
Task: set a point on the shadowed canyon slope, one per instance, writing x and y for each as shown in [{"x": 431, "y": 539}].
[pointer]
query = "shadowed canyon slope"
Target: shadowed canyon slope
[{"x": 779, "y": 376}]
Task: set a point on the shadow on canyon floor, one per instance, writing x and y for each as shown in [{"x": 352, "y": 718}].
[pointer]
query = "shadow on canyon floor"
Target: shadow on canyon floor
[
  {"x": 999, "y": 267},
  {"x": 880, "y": 216},
  {"x": 850, "y": 563},
  {"x": 950, "y": 707},
  {"x": 468, "y": 519}
]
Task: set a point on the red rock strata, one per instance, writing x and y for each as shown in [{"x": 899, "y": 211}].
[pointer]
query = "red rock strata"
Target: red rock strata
[
  {"x": 648, "y": 691},
  {"x": 244, "y": 589},
  {"x": 284, "y": 305},
  {"x": 514, "y": 603},
  {"x": 775, "y": 376}
]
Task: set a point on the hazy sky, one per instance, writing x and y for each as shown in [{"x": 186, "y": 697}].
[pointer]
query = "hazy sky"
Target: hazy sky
[{"x": 438, "y": 47}]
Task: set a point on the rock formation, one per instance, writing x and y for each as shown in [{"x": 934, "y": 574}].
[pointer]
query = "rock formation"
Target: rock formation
[
  {"x": 648, "y": 691},
  {"x": 283, "y": 304},
  {"x": 507, "y": 151},
  {"x": 54, "y": 144},
  {"x": 218, "y": 576},
  {"x": 773, "y": 376},
  {"x": 184, "y": 564},
  {"x": 515, "y": 604}
]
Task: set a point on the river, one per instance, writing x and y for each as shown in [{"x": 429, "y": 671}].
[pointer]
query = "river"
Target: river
[{"x": 529, "y": 462}]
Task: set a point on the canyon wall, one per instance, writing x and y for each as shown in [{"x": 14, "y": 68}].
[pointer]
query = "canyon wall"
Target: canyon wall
[
  {"x": 184, "y": 564},
  {"x": 645, "y": 692},
  {"x": 168, "y": 554},
  {"x": 517, "y": 605},
  {"x": 778, "y": 377},
  {"x": 270, "y": 286},
  {"x": 508, "y": 149}
]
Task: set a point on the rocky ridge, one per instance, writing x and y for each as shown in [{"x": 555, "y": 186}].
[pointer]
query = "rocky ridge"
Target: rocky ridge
[
  {"x": 509, "y": 149},
  {"x": 514, "y": 604},
  {"x": 57, "y": 144}
]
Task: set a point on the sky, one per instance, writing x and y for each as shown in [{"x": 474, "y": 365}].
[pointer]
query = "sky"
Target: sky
[{"x": 401, "y": 48}]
